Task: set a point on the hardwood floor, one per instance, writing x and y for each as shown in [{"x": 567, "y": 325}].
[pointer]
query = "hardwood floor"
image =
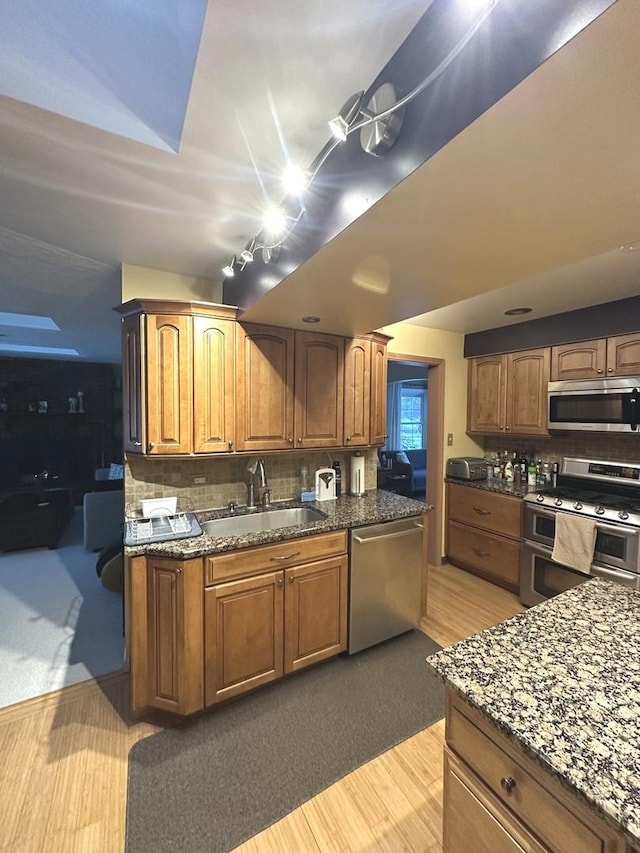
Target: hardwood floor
[{"x": 63, "y": 774}]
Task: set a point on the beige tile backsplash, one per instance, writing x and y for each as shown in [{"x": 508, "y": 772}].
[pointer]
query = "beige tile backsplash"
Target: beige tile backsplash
[
  {"x": 586, "y": 445},
  {"x": 226, "y": 476}
]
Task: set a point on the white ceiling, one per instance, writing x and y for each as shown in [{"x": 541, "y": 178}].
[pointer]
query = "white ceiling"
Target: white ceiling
[{"x": 529, "y": 205}]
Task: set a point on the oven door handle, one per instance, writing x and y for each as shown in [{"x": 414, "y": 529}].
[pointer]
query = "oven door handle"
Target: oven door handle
[{"x": 616, "y": 529}]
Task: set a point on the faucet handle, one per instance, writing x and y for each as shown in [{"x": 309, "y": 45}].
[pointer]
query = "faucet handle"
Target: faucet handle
[
  {"x": 266, "y": 498},
  {"x": 232, "y": 507}
]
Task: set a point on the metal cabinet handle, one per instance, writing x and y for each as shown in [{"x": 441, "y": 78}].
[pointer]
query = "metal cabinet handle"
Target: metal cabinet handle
[
  {"x": 507, "y": 784},
  {"x": 610, "y": 370},
  {"x": 299, "y": 441},
  {"x": 291, "y": 578},
  {"x": 279, "y": 581},
  {"x": 599, "y": 370},
  {"x": 480, "y": 553},
  {"x": 501, "y": 426},
  {"x": 230, "y": 443},
  {"x": 137, "y": 444},
  {"x": 480, "y": 511},
  {"x": 290, "y": 440},
  {"x": 178, "y": 570},
  {"x": 286, "y": 557},
  {"x": 348, "y": 438},
  {"x": 150, "y": 446},
  {"x": 507, "y": 427}
]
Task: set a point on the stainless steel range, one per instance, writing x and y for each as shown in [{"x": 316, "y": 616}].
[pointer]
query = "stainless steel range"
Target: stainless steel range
[{"x": 609, "y": 493}]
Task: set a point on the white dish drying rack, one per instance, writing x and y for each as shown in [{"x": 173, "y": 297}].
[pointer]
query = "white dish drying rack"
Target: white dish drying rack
[{"x": 141, "y": 530}]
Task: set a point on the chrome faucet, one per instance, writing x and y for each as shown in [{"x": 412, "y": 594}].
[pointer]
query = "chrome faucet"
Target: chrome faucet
[{"x": 254, "y": 468}]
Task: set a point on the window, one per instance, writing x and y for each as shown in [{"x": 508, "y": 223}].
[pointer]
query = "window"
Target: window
[{"x": 413, "y": 404}]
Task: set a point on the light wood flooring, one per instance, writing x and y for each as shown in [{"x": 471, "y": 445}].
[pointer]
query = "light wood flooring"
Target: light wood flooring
[{"x": 63, "y": 768}]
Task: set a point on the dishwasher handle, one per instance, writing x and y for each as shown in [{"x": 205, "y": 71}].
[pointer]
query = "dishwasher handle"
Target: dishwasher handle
[{"x": 411, "y": 532}]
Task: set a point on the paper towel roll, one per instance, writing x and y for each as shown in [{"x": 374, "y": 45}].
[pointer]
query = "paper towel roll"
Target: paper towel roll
[{"x": 356, "y": 480}]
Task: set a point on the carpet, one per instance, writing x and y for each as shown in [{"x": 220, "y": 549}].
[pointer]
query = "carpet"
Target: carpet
[{"x": 224, "y": 777}]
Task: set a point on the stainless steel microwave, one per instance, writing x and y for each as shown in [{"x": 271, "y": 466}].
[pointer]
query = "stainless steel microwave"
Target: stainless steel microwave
[{"x": 595, "y": 405}]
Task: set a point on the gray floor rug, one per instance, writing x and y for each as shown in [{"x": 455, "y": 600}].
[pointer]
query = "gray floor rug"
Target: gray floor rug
[{"x": 221, "y": 779}]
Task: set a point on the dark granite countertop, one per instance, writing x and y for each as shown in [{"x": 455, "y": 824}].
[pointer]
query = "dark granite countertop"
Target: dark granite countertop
[
  {"x": 563, "y": 679},
  {"x": 345, "y": 512},
  {"x": 493, "y": 485}
]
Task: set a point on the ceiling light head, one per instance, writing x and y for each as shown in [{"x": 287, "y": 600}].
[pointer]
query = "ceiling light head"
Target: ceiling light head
[
  {"x": 246, "y": 255},
  {"x": 275, "y": 222},
  {"x": 229, "y": 271},
  {"x": 514, "y": 312},
  {"x": 295, "y": 180},
  {"x": 378, "y": 135},
  {"x": 339, "y": 126}
]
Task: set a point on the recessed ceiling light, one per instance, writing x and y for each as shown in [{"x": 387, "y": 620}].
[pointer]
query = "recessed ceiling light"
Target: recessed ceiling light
[
  {"x": 311, "y": 319},
  {"x": 512, "y": 312},
  {"x": 631, "y": 247}
]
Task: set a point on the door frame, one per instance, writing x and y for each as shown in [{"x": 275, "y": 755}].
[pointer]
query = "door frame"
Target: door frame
[{"x": 434, "y": 368}]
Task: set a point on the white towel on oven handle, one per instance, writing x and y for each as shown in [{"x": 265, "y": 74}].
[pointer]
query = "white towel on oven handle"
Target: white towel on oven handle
[{"x": 574, "y": 542}]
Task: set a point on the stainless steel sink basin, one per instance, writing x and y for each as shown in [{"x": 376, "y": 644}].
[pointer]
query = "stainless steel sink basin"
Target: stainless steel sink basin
[{"x": 272, "y": 519}]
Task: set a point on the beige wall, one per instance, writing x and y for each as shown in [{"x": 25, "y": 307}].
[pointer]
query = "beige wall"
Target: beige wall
[
  {"x": 448, "y": 346},
  {"x": 139, "y": 282}
]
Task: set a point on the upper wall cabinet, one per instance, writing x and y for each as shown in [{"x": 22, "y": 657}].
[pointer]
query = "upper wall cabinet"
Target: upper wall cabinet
[
  {"x": 508, "y": 393},
  {"x": 264, "y": 391},
  {"x": 178, "y": 378},
  {"x": 617, "y": 356},
  {"x": 196, "y": 381}
]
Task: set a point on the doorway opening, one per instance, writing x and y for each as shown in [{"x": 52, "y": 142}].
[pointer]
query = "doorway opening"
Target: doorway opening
[{"x": 411, "y": 461}]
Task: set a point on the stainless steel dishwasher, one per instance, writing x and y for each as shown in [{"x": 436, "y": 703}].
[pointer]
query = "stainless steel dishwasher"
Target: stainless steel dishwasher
[{"x": 385, "y": 581}]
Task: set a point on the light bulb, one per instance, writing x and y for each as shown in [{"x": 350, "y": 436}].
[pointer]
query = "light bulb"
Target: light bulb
[
  {"x": 228, "y": 271},
  {"x": 294, "y": 180},
  {"x": 274, "y": 221}
]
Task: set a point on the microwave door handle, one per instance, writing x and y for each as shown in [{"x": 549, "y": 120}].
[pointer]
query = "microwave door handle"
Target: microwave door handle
[{"x": 633, "y": 403}]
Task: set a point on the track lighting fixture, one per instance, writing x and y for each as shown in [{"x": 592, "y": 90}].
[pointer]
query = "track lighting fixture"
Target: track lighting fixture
[{"x": 379, "y": 123}]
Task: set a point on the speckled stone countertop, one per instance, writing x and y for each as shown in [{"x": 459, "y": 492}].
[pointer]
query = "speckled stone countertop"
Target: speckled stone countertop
[
  {"x": 563, "y": 679},
  {"x": 345, "y": 512},
  {"x": 503, "y": 486}
]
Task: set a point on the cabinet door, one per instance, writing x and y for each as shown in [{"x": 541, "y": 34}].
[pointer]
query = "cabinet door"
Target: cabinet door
[
  {"x": 319, "y": 390},
  {"x": 527, "y": 380},
  {"x": 486, "y": 394},
  {"x": 213, "y": 385},
  {"x": 584, "y": 360},
  {"x": 315, "y": 612},
  {"x": 378, "y": 393},
  {"x": 264, "y": 363},
  {"x": 243, "y": 635},
  {"x": 169, "y": 359},
  {"x": 174, "y": 631},
  {"x": 134, "y": 436},
  {"x": 357, "y": 392},
  {"x": 623, "y": 355}
]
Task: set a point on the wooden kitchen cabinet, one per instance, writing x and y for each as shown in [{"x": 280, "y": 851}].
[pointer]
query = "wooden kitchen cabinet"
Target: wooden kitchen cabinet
[
  {"x": 178, "y": 377},
  {"x": 616, "y": 356},
  {"x": 379, "y": 389},
  {"x": 165, "y": 624},
  {"x": 264, "y": 391},
  {"x": 483, "y": 534},
  {"x": 507, "y": 394},
  {"x": 261, "y": 623},
  {"x": 357, "y": 392},
  {"x": 496, "y": 798},
  {"x": 319, "y": 390}
]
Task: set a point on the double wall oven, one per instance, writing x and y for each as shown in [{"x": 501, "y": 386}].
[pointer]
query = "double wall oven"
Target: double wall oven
[{"x": 607, "y": 492}]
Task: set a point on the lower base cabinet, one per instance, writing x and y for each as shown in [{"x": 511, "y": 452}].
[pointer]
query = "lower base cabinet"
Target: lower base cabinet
[
  {"x": 498, "y": 800},
  {"x": 204, "y": 630}
]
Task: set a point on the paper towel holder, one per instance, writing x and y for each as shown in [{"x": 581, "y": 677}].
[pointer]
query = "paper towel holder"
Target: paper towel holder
[{"x": 356, "y": 479}]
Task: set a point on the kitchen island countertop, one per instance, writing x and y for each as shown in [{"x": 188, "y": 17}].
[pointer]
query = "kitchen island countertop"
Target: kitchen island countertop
[
  {"x": 563, "y": 680},
  {"x": 347, "y": 511}
]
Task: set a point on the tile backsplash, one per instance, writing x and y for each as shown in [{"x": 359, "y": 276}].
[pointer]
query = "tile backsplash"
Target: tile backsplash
[
  {"x": 226, "y": 476},
  {"x": 588, "y": 445}
]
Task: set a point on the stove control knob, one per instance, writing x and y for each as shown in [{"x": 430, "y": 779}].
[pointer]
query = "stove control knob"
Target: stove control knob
[
  {"x": 599, "y": 510},
  {"x": 623, "y": 515},
  {"x": 577, "y": 506},
  {"x": 558, "y": 502},
  {"x": 540, "y": 498}
]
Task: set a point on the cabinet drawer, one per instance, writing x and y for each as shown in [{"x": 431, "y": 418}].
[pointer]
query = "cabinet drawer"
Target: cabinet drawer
[
  {"x": 484, "y": 551},
  {"x": 476, "y": 820},
  {"x": 510, "y": 782},
  {"x": 266, "y": 558},
  {"x": 487, "y": 510}
]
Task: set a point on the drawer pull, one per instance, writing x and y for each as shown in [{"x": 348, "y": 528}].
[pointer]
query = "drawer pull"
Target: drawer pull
[
  {"x": 286, "y": 557},
  {"x": 507, "y": 783},
  {"x": 479, "y": 511},
  {"x": 480, "y": 553}
]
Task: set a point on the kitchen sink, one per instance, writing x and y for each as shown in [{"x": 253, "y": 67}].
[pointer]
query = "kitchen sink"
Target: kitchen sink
[{"x": 271, "y": 519}]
